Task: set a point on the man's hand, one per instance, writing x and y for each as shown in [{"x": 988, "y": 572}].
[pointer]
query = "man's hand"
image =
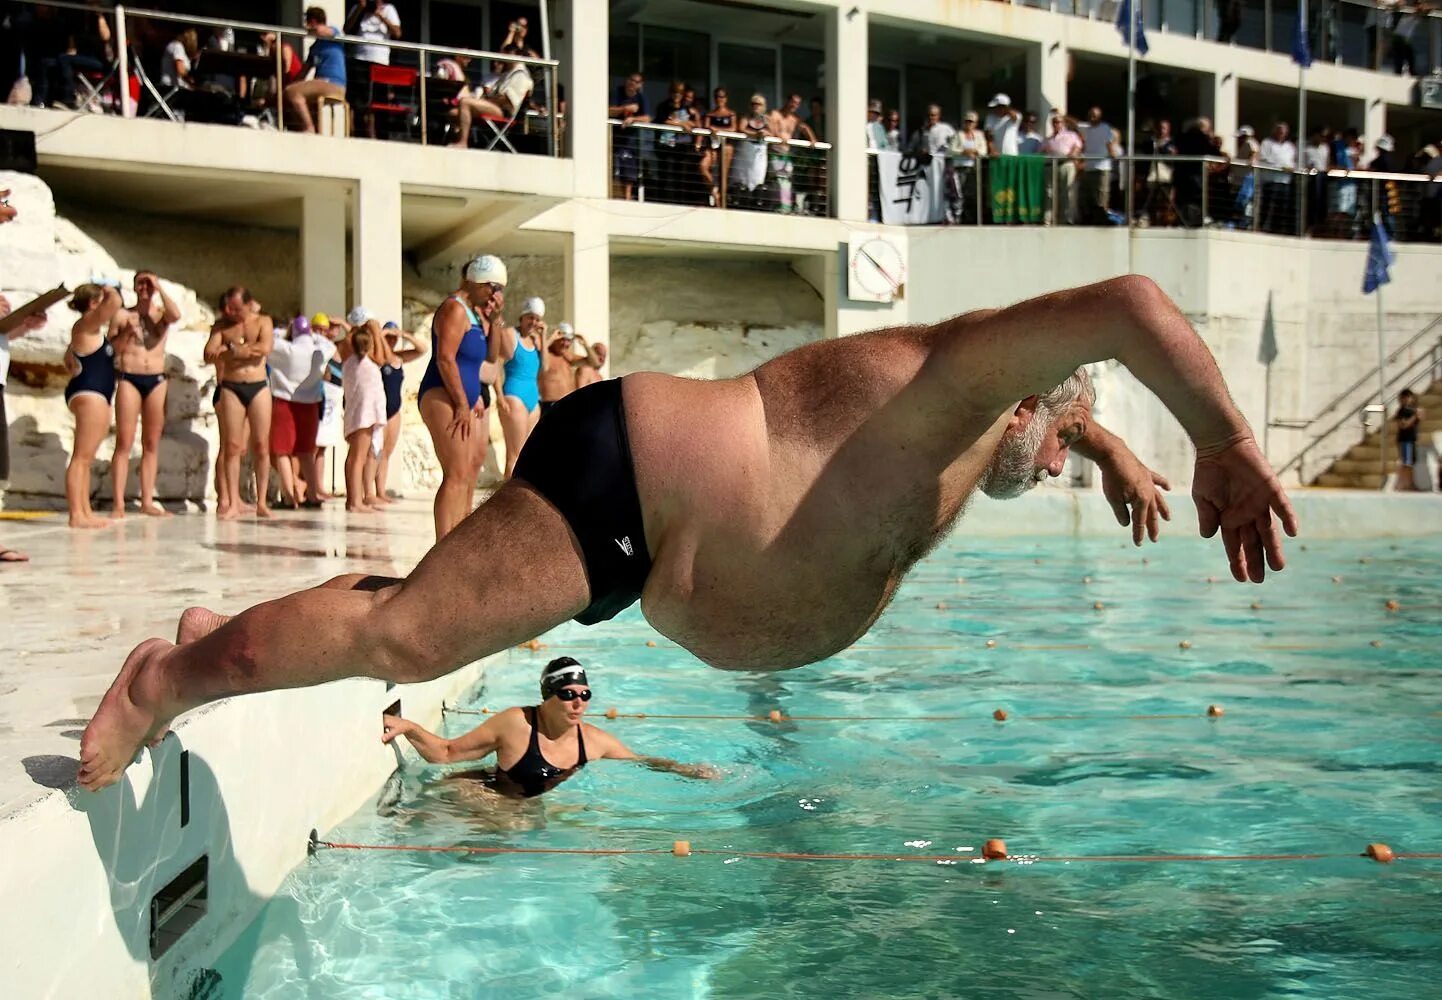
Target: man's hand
[
  {"x": 1134, "y": 491},
  {"x": 1235, "y": 490},
  {"x": 395, "y": 726}
]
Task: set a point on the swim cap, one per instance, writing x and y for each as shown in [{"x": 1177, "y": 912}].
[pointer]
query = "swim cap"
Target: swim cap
[
  {"x": 565, "y": 329},
  {"x": 359, "y": 316},
  {"x": 392, "y": 325},
  {"x": 561, "y": 672},
  {"x": 534, "y": 307},
  {"x": 299, "y": 326},
  {"x": 320, "y": 319},
  {"x": 486, "y": 269}
]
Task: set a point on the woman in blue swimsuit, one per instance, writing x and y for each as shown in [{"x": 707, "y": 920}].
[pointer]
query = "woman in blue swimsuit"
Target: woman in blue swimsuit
[
  {"x": 90, "y": 359},
  {"x": 520, "y": 354},
  {"x": 453, "y": 393},
  {"x": 393, "y": 377}
]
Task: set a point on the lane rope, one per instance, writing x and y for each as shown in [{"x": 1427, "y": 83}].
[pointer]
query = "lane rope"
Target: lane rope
[{"x": 777, "y": 716}]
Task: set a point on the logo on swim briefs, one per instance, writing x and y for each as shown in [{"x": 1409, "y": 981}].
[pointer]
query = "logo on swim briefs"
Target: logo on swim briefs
[{"x": 625, "y": 544}]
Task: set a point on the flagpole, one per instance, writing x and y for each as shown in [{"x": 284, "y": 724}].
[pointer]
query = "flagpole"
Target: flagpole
[
  {"x": 1302, "y": 121},
  {"x": 1381, "y": 387},
  {"x": 1134, "y": 17}
]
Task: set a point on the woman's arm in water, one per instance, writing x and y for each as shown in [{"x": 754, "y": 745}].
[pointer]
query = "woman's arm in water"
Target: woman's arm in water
[
  {"x": 479, "y": 742},
  {"x": 613, "y": 749}
]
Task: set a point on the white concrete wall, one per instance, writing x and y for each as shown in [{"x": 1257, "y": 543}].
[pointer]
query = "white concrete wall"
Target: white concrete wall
[{"x": 264, "y": 771}]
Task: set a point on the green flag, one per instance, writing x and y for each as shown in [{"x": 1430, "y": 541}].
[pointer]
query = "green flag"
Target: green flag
[{"x": 1018, "y": 189}]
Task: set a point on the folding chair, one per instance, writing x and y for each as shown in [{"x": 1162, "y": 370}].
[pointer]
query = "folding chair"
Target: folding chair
[
  {"x": 501, "y": 127},
  {"x": 406, "y": 104}
]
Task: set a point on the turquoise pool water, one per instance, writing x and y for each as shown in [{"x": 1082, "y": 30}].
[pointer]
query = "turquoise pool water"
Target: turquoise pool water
[{"x": 1327, "y": 743}]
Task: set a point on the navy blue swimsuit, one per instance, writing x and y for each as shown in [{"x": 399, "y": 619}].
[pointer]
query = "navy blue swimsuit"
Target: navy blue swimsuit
[
  {"x": 392, "y": 377},
  {"x": 533, "y": 773},
  {"x": 97, "y": 374}
]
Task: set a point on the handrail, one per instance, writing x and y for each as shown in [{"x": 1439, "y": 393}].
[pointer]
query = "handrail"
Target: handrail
[
  {"x": 1370, "y": 376},
  {"x": 723, "y": 133}
]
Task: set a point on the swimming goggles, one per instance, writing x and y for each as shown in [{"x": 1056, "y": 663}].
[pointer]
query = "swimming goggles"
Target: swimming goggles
[{"x": 571, "y": 694}]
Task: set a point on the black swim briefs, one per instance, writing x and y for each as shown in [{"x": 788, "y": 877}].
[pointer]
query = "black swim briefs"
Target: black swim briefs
[{"x": 579, "y": 459}]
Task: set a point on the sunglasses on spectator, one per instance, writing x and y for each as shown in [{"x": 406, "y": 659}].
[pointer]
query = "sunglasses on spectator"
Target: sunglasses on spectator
[{"x": 571, "y": 694}]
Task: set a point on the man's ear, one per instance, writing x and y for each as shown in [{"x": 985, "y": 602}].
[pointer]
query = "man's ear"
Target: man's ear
[{"x": 1023, "y": 415}]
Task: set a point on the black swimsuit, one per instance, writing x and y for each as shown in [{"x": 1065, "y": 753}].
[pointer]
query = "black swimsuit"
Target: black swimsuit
[
  {"x": 579, "y": 459},
  {"x": 533, "y": 773},
  {"x": 144, "y": 384}
]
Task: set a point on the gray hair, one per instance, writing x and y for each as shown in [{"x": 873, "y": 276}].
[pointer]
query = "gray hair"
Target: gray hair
[{"x": 1077, "y": 387}]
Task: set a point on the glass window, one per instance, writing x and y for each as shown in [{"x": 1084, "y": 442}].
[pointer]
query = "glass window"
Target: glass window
[
  {"x": 928, "y": 85},
  {"x": 802, "y": 72},
  {"x": 625, "y": 51},
  {"x": 1182, "y": 16},
  {"x": 745, "y": 70},
  {"x": 1284, "y": 25},
  {"x": 884, "y": 84},
  {"x": 672, "y": 54},
  {"x": 457, "y": 24}
]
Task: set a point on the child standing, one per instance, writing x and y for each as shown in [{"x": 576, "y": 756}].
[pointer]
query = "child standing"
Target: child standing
[{"x": 365, "y": 419}]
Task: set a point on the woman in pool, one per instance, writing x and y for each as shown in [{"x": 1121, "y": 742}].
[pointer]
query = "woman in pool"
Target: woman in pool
[
  {"x": 454, "y": 393},
  {"x": 393, "y": 376},
  {"x": 90, "y": 359},
  {"x": 520, "y": 351},
  {"x": 539, "y": 746}
]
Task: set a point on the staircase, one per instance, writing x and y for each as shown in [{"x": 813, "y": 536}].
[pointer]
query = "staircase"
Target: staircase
[
  {"x": 1361, "y": 467},
  {"x": 1330, "y": 458}
]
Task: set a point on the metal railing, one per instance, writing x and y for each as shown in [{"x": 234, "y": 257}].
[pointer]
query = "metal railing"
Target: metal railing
[
  {"x": 1424, "y": 358},
  {"x": 1166, "y": 191},
  {"x": 718, "y": 168},
  {"x": 411, "y": 106}
]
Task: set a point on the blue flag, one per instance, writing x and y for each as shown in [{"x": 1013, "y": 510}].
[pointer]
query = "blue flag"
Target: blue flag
[
  {"x": 1380, "y": 257},
  {"x": 1126, "y": 21},
  {"x": 1301, "y": 47}
]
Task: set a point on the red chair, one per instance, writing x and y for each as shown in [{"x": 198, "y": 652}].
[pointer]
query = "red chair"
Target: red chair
[{"x": 401, "y": 93}]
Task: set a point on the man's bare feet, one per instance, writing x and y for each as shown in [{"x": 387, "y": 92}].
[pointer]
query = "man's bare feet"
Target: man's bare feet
[
  {"x": 128, "y": 718},
  {"x": 358, "y": 509},
  {"x": 117, "y": 512},
  {"x": 197, "y": 622},
  {"x": 154, "y": 510},
  {"x": 227, "y": 514},
  {"x": 262, "y": 510},
  {"x": 89, "y": 521}
]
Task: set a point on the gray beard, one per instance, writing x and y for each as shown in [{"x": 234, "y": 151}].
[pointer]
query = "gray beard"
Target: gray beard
[{"x": 1012, "y": 469}]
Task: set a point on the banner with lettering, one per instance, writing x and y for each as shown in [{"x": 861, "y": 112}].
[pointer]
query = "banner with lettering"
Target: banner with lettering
[{"x": 912, "y": 187}]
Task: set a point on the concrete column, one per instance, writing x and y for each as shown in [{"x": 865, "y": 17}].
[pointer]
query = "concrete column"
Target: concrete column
[
  {"x": 1223, "y": 107},
  {"x": 322, "y": 252},
  {"x": 1374, "y": 119},
  {"x": 588, "y": 278},
  {"x": 1046, "y": 65},
  {"x": 583, "y": 54},
  {"x": 376, "y": 247},
  {"x": 847, "y": 54}
]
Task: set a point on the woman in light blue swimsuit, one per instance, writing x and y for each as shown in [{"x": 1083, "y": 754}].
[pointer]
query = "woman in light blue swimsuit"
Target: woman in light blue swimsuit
[{"x": 520, "y": 350}]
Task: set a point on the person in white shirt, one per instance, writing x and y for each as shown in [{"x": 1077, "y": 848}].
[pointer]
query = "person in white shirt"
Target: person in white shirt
[
  {"x": 175, "y": 64},
  {"x": 297, "y": 371},
  {"x": 1279, "y": 208},
  {"x": 967, "y": 146},
  {"x": 1099, "y": 145},
  {"x": 893, "y": 130},
  {"x": 935, "y": 136},
  {"x": 1003, "y": 126},
  {"x": 377, "y": 22},
  {"x": 875, "y": 130}
]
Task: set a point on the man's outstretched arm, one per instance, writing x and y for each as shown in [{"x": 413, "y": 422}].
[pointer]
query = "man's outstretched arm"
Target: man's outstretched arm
[{"x": 999, "y": 358}]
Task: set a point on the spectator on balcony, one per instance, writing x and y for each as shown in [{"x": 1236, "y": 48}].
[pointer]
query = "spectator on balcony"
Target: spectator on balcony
[
  {"x": 327, "y": 59},
  {"x": 935, "y": 137},
  {"x": 1003, "y": 126},
  {"x": 675, "y": 150},
  {"x": 1064, "y": 145},
  {"x": 817, "y": 118},
  {"x": 1279, "y": 153},
  {"x": 72, "y": 41},
  {"x": 1382, "y": 162},
  {"x": 1188, "y": 176},
  {"x": 1316, "y": 158},
  {"x": 377, "y": 22},
  {"x": 1247, "y": 148},
  {"x": 453, "y": 68},
  {"x": 504, "y": 99},
  {"x": 721, "y": 118},
  {"x": 875, "y": 127},
  {"x": 785, "y": 123},
  {"x": 748, "y": 170},
  {"x": 1030, "y": 140},
  {"x": 630, "y": 108},
  {"x": 1406, "y": 24},
  {"x": 516, "y": 35},
  {"x": 1153, "y": 196},
  {"x": 176, "y": 62},
  {"x": 1099, "y": 146},
  {"x": 893, "y": 130},
  {"x": 967, "y": 148},
  {"x": 1428, "y": 161}
]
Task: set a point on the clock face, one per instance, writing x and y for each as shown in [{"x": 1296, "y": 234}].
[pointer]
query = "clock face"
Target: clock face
[{"x": 877, "y": 270}]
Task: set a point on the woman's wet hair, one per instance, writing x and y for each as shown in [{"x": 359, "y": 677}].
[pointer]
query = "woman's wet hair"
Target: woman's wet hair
[
  {"x": 360, "y": 341},
  {"x": 85, "y": 296}
]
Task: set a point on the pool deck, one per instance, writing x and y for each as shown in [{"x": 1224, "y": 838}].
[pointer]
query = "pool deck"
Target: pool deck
[{"x": 259, "y": 772}]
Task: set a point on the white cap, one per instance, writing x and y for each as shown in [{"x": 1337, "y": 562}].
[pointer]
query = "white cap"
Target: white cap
[
  {"x": 999, "y": 101},
  {"x": 534, "y": 307},
  {"x": 486, "y": 269},
  {"x": 358, "y": 316},
  {"x": 565, "y": 329},
  {"x": 1386, "y": 144},
  {"x": 1247, "y": 131}
]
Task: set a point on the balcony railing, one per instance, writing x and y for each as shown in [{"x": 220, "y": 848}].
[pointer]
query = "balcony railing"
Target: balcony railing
[
  {"x": 245, "y": 84},
  {"x": 718, "y": 168},
  {"x": 1178, "y": 192}
]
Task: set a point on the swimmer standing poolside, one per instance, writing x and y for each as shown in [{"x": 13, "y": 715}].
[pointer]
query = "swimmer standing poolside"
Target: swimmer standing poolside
[
  {"x": 557, "y": 378},
  {"x": 453, "y": 393},
  {"x": 536, "y": 739},
  {"x": 90, "y": 359},
  {"x": 240, "y": 341},
  {"x": 846, "y": 462},
  {"x": 520, "y": 357},
  {"x": 140, "y": 394}
]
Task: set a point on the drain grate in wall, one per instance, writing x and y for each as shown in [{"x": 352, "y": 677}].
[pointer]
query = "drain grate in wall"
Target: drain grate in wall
[{"x": 179, "y": 906}]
